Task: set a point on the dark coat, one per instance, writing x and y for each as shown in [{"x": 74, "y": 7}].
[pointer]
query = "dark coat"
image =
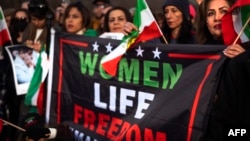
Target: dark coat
[{"x": 232, "y": 107}]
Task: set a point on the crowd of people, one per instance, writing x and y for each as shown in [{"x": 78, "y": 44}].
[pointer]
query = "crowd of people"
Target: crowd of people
[{"x": 180, "y": 22}]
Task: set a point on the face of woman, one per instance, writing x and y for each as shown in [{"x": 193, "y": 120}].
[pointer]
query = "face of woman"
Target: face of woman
[
  {"x": 174, "y": 17},
  {"x": 73, "y": 22},
  {"x": 215, "y": 11},
  {"x": 117, "y": 20},
  {"x": 38, "y": 23}
]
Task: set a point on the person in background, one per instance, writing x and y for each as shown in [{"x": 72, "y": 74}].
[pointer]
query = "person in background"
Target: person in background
[
  {"x": 19, "y": 21},
  {"x": 115, "y": 20},
  {"x": 59, "y": 14},
  {"x": 35, "y": 35},
  {"x": 34, "y": 125},
  {"x": 7, "y": 14},
  {"x": 192, "y": 11},
  {"x": 25, "y": 4},
  {"x": 177, "y": 27},
  {"x": 209, "y": 25},
  {"x": 199, "y": 1},
  {"x": 159, "y": 17},
  {"x": 100, "y": 30},
  {"x": 77, "y": 20},
  {"x": 132, "y": 11},
  {"x": 98, "y": 7}
]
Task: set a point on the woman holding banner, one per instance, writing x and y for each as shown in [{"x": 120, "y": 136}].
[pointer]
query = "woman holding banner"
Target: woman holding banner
[
  {"x": 228, "y": 111},
  {"x": 114, "y": 22}
]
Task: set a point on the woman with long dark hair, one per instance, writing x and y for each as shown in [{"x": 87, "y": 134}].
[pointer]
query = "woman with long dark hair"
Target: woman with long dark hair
[{"x": 19, "y": 21}]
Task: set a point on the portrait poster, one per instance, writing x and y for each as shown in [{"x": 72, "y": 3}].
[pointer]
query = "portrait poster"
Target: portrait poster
[{"x": 23, "y": 61}]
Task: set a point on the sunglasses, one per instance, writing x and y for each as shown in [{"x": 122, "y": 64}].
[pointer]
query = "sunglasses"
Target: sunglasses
[{"x": 20, "y": 19}]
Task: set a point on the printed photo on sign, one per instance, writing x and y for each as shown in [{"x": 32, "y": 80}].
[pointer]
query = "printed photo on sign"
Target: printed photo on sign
[{"x": 23, "y": 60}]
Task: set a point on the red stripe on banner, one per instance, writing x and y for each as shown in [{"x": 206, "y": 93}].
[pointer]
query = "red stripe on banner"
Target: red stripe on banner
[
  {"x": 194, "y": 56},
  {"x": 198, "y": 93},
  {"x": 59, "y": 89},
  {"x": 4, "y": 37},
  {"x": 196, "y": 102},
  {"x": 59, "y": 83},
  {"x": 81, "y": 44}
]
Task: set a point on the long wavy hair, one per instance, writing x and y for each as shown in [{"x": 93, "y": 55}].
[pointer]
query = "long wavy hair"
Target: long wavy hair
[{"x": 203, "y": 34}]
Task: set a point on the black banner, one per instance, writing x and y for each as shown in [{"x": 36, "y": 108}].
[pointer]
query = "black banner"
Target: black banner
[{"x": 161, "y": 92}]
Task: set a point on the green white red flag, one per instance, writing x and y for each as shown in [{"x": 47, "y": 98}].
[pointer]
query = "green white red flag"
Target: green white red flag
[
  {"x": 34, "y": 96},
  {"x": 233, "y": 22},
  {"x": 148, "y": 29},
  {"x": 4, "y": 31}
]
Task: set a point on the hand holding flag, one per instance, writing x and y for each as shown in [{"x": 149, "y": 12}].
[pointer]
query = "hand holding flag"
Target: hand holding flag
[{"x": 147, "y": 30}]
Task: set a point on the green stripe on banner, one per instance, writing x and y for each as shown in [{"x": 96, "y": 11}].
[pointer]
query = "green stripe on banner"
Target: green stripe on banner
[{"x": 244, "y": 16}]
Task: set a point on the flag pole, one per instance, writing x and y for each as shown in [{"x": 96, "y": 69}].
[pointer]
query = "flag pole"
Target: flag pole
[
  {"x": 164, "y": 38},
  {"x": 245, "y": 25},
  {"x": 13, "y": 125}
]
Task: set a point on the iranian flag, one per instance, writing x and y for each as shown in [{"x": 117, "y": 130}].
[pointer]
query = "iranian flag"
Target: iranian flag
[
  {"x": 34, "y": 96},
  {"x": 233, "y": 22},
  {"x": 4, "y": 32},
  {"x": 148, "y": 29}
]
